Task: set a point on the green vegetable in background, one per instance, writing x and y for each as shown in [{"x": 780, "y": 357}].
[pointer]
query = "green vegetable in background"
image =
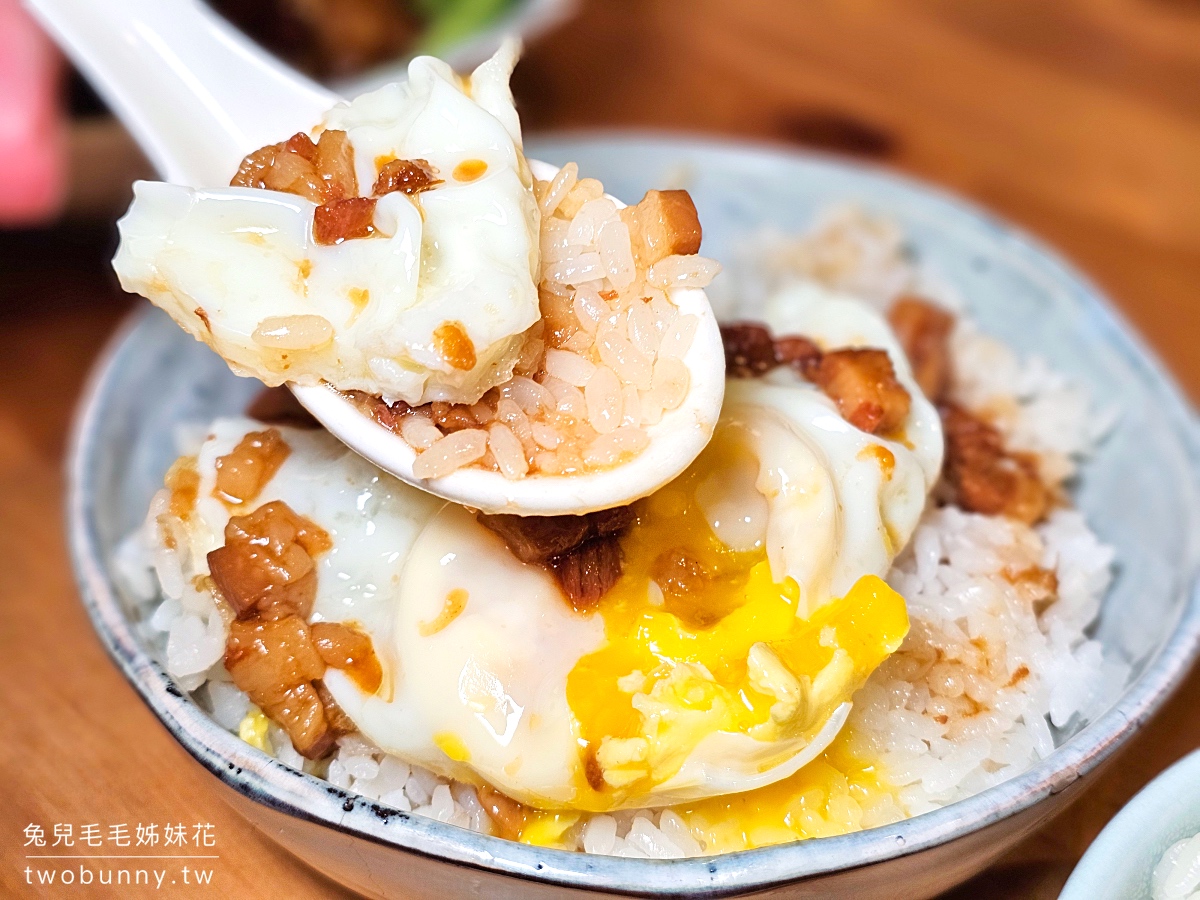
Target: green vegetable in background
[{"x": 448, "y": 21}]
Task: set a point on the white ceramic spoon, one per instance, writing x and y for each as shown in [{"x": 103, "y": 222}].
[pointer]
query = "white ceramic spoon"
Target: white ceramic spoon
[{"x": 198, "y": 95}]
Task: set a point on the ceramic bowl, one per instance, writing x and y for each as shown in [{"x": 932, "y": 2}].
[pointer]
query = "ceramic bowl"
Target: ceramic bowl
[
  {"x": 1120, "y": 862},
  {"x": 1139, "y": 492}
]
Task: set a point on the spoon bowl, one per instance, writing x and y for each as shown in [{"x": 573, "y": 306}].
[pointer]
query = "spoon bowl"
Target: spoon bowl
[
  {"x": 675, "y": 441},
  {"x": 198, "y": 96}
]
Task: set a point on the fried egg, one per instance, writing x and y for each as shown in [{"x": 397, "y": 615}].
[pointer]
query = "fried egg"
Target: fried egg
[
  {"x": 750, "y": 609},
  {"x": 239, "y": 269}
]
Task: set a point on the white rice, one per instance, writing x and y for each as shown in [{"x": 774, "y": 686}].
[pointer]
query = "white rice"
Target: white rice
[
  {"x": 609, "y": 336},
  {"x": 992, "y": 676},
  {"x": 982, "y": 675},
  {"x": 1036, "y": 409},
  {"x": 846, "y": 250}
]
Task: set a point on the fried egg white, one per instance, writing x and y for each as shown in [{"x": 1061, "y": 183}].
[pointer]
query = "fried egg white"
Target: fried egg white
[
  {"x": 750, "y": 610},
  {"x": 238, "y": 267}
]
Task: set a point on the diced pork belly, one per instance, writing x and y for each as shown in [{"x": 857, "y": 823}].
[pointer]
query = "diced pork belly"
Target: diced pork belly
[
  {"x": 924, "y": 331},
  {"x": 662, "y": 224},
  {"x": 985, "y": 477},
  {"x": 863, "y": 383}
]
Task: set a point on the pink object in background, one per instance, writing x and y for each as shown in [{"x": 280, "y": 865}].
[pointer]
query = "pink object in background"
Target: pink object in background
[{"x": 33, "y": 157}]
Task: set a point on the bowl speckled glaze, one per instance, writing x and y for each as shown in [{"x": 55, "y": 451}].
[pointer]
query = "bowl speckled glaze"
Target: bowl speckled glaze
[{"x": 1140, "y": 493}]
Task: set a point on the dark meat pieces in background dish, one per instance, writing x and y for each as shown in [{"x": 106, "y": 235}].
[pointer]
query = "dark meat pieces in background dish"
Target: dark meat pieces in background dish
[
  {"x": 340, "y": 38},
  {"x": 327, "y": 38}
]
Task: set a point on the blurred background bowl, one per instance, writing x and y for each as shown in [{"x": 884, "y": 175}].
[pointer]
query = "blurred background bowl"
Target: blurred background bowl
[
  {"x": 358, "y": 45},
  {"x": 1120, "y": 862}
]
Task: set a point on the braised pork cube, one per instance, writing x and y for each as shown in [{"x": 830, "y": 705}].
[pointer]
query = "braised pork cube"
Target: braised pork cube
[
  {"x": 347, "y": 648},
  {"x": 583, "y": 552},
  {"x": 266, "y": 568},
  {"x": 322, "y": 172},
  {"x": 275, "y": 663},
  {"x": 339, "y": 722},
  {"x": 538, "y": 539},
  {"x": 749, "y": 349},
  {"x": 863, "y": 383},
  {"x": 662, "y": 224},
  {"x": 507, "y": 815},
  {"x": 409, "y": 176},
  {"x": 924, "y": 331},
  {"x": 587, "y": 572},
  {"x": 799, "y": 353},
  {"x": 343, "y": 220},
  {"x": 987, "y": 478},
  {"x": 244, "y": 471}
]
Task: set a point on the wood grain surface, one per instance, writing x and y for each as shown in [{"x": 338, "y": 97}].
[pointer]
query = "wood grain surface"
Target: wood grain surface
[{"x": 1078, "y": 119}]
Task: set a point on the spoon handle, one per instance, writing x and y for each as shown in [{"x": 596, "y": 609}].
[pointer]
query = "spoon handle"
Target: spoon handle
[{"x": 196, "y": 94}]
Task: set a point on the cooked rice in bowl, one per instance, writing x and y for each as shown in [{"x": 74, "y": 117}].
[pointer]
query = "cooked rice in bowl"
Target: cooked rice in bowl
[{"x": 996, "y": 668}]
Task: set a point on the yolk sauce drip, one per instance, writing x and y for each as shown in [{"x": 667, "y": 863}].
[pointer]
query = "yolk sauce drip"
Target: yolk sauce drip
[{"x": 710, "y": 607}]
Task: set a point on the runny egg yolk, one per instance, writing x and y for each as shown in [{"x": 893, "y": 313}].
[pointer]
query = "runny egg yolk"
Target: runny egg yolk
[
  {"x": 701, "y": 639},
  {"x": 831, "y": 795}
]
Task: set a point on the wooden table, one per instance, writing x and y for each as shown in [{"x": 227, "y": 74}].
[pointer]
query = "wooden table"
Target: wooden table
[{"x": 1079, "y": 119}]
